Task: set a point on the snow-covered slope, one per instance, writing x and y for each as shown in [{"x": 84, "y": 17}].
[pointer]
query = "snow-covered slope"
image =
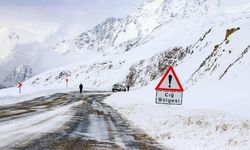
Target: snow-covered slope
[
  {"x": 189, "y": 41},
  {"x": 22, "y": 46},
  {"x": 15, "y": 49},
  {"x": 19, "y": 74},
  {"x": 237, "y": 9},
  {"x": 215, "y": 74},
  {"x": 98, "y": 38},
  {"x": 120, "y": 35},
  {"x": 180, "y": 128}
]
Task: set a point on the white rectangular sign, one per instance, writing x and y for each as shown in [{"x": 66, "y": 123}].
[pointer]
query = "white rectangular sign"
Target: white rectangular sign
[{"x": 169, "y": 97}]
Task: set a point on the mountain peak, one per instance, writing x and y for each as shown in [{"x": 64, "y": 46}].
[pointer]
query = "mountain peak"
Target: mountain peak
[
  {"x": 165, "y": 10},
  {"x": 123, "y": 34}
]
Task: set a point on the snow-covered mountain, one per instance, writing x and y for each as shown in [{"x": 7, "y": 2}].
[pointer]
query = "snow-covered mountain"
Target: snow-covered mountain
[
  {"x": 208, "y": 49},
  {"x": 113, "y": 36},
  {"x": 196, "y": 38},
  {"x": 19, "y": 74},
  {"x": 20, "y": 46},
  {"x": 120, "y": 35},
  {"x": 13, "y": 52}
]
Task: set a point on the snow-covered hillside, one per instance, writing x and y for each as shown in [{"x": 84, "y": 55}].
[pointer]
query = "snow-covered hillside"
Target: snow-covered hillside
[
  {"x": 190, "y": 35},
  {"x": 19, "y": 74},
  {"x": 16, "y": 49},
  {"x": 188, "y": 42},
  {"x": 113, "y": 36},
  {"x": 178, "y": 127},
  {"x": 23, "y": 47}
]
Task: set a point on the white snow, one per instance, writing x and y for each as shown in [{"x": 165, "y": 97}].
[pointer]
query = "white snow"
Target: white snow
[
  {"x": 180, "y": 127},
  {"x": 21, "y": 130}
]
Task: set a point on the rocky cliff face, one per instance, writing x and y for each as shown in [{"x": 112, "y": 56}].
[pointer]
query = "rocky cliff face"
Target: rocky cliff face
[{"x": 145, "y": 71}]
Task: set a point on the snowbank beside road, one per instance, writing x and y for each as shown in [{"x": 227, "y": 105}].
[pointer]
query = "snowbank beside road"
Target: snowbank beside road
[{"x": 183, "y": 127}]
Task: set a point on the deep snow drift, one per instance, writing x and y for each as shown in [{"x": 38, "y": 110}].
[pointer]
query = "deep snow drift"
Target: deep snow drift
[{"x": 180, "y": 127}]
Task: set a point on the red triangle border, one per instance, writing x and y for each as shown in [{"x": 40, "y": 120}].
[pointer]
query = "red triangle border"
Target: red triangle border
[{"x": 158, "y": 87}]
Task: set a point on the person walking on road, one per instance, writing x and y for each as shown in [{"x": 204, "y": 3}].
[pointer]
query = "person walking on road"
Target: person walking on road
[
  {"x": 128, "y": 88},
  {"x": 81, "y": 87}
]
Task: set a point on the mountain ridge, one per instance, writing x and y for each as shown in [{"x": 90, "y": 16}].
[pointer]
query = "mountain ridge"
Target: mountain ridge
[{"x": 136, "y": 26}]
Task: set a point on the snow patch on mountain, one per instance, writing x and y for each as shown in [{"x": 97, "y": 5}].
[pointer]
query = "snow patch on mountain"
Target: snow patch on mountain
[{"x": 237, "y": 9}]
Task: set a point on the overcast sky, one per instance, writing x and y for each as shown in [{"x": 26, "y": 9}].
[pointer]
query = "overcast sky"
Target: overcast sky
[{"x": 49, "y": 15}]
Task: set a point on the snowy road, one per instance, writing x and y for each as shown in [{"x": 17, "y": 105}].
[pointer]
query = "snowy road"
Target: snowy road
[{"x": 68, "y": 121}]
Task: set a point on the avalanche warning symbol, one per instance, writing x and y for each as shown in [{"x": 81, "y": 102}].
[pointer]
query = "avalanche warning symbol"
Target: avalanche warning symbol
[{"x": 169, "y": 90}]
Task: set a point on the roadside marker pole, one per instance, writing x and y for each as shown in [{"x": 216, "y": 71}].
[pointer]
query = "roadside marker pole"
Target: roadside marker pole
[
  {"x": 20, "y": 87},
  {"x": 67, "y": 82},
  {"x": 20, "y": 90}
]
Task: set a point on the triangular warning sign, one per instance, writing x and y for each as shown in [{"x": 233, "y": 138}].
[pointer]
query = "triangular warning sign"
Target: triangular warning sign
[{"x": 169, "y": 82}]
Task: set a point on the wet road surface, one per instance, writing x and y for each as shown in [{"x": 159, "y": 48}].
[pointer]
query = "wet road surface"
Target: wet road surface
[{"x": 93, "y": 125}]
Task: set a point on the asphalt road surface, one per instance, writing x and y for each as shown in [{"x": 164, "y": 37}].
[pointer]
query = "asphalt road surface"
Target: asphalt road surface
[{"x": 92, "y": 125}]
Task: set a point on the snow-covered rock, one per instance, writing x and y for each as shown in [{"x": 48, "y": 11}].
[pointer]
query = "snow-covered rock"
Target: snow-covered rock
[
  {"x": 19, "y": 74},
  {"x": 145, "y": 71}
]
